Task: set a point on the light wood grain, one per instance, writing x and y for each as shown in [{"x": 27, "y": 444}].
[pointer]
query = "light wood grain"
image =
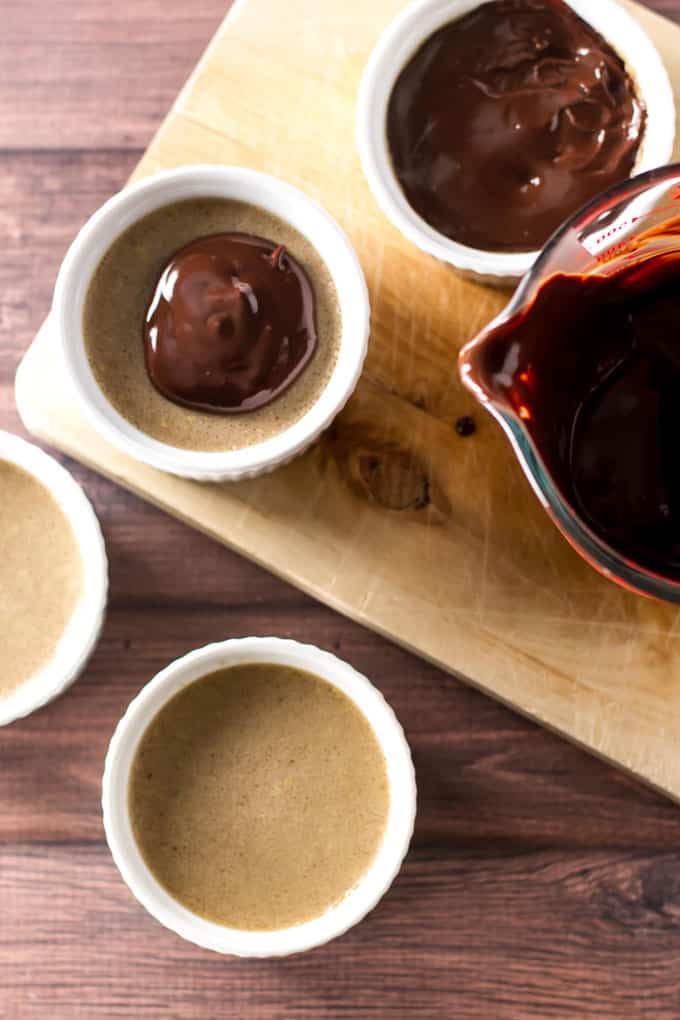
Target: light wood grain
[{"x": 433, "y": 540}]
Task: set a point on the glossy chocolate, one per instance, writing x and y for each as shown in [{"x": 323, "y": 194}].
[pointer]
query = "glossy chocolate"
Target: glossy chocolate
[
  {"x": 231, "y": 324},
  {"x": 508, "y": 120},
  {"x": 592, "y": 368}
]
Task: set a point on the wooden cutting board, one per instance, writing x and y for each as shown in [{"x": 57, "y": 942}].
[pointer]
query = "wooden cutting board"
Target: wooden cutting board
[{"x": 433, "y": 540}]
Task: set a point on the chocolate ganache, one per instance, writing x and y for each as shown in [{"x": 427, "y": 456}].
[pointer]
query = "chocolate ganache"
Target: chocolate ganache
[
  {"x": 231, "y": 324},
  {"x": 508, "y": 120},
  {"x": 592, "y": 368}
]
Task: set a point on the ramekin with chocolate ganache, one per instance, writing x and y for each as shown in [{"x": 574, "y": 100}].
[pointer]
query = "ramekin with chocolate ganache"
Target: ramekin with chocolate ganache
[
  {"x": 482, "y": 127},
  {"x": 214, "y": 321}
]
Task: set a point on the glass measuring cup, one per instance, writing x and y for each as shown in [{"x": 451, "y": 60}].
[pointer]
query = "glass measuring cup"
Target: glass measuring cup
[{"x": 624, "y": 227}]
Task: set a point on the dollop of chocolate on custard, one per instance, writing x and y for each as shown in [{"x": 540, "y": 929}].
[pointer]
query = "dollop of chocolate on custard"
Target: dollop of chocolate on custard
[{"x": 231, "y": 324}]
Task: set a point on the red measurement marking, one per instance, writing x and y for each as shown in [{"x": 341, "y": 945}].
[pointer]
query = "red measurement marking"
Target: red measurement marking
[{"x": 616, "y": 249}]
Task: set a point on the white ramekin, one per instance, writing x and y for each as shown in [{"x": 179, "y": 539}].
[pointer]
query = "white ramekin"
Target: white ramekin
[
  {"x": 395, "y": 47},
  {"x": 275, "y": 197},
  {"x": 360, "y": 900},
  {"x": 82, "y": 630}
]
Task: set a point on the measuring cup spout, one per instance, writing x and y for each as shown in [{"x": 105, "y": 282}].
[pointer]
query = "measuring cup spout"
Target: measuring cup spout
[{"x": 488, "y": 364}]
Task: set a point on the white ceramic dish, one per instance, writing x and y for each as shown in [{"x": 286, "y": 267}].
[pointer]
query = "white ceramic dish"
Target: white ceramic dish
[
  {"x": 275, "y": 197},
  {"x": 82, "y": 631},
  {"x": 398, "y": 43},
  {"x": 360, "y": 900}
]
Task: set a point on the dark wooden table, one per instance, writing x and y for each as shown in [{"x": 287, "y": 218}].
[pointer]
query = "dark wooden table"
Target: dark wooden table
[{"x": 541, "y": 884}]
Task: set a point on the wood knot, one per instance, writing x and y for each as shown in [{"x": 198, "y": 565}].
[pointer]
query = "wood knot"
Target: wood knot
[
  {"x": 642, "y": 895},
  {"x": 385, "y": 472},
  {"x": 395, "y": 479}
]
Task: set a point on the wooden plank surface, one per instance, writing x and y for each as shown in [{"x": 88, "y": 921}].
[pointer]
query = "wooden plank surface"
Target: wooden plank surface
[
  {"x": 435, "y": 541},
  {"x": 542, "y": 884}
]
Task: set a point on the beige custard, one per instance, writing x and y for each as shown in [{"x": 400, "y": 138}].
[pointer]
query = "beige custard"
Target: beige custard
[
  {"x": 41, "y": 576},
  {"x": 259, "y": 796}
]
